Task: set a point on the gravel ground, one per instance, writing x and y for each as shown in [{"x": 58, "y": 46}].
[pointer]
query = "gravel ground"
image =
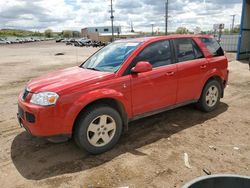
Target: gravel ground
[{"x": 150, "y": 154}]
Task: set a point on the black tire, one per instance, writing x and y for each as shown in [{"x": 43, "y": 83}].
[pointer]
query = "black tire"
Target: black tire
[
  {"x": 84, "y": 121},
  {"x": 203, "y": 103}
]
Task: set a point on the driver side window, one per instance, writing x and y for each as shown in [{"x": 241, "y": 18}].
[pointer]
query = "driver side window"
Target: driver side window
[{"x": 157, "y": 54}]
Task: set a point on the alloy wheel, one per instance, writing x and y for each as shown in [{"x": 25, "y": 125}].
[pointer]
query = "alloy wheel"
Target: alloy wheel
[
  {"x": 101, "y": 130},
  {"x": 212, "y": 96}
]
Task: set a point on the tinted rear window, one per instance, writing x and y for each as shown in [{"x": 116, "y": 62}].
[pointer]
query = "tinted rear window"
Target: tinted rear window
[
  {"x": 186, "y": 49},
  {"x": 213, "y": 46}
]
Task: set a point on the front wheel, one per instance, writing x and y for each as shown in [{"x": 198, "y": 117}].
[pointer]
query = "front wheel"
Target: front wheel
[
  {"x": 210, "y": 96},
  {"x": 98, "y": 129}
]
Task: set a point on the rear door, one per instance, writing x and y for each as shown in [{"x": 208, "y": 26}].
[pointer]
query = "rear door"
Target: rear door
[{"x": 191, "y": 66}]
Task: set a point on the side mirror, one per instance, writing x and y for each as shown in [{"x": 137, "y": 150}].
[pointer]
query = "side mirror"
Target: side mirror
[{"x": 142, "y": 66}]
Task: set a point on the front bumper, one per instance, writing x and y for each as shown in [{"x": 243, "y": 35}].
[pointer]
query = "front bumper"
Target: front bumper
[{"x": 40, "y": 120}]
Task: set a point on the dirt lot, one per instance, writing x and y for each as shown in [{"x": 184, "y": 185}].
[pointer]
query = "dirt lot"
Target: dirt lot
[{"x": 149, "y": 155}]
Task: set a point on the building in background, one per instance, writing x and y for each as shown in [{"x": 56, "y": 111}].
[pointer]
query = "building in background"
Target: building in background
[
  {"x": 104, "y": 34},
  {"x": 105, "y": 29},
  {"x": 244, "y": 37}
]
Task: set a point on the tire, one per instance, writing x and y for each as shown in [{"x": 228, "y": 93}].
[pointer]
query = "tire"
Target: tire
[
  {"x": 98, "y": 129},
  {"x": 210, "y": 96}
]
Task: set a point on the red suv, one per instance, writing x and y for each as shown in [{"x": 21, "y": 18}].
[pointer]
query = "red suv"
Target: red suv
[{"x": 124, "y": 81}]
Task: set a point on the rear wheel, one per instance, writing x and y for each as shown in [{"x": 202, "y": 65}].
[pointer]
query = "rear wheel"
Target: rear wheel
[
  {"x": 98, "y": 129},
  {"x": 210, "y": 97}
]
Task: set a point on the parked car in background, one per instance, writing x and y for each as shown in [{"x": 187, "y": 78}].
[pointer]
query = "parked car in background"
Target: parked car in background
[
  {"x": 88, "y": 43},
  {"x": 122, "y": 82},
  {"x": 19, "y": 40},
  {"x": 4, "y": 41},
  {"x": 59, "y": 40},
  {"x": 85, "y": 42},
  {"x": 98, "y": 44},
  {"x": 77, "y": 43},
  {"x": 70, "y": 41},
  {"x": 65, "y": 40}
]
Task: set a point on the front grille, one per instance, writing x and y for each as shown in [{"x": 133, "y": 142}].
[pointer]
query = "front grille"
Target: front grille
[
  {"x": 25, "y": 94},
  {"x": 20, "y": 112}
]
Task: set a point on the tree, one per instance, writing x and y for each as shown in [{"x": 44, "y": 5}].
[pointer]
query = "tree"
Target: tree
[
  {"x": 37, "y": 34},
  {"x": 67, "y": 34},
  {"x": 182, "y": 30},
  {"x": 48, "y": 33},
  {"x": 197, "y": 30},
  {"x": 236, "y": 29},
  {"x": 226, "y": 31}
]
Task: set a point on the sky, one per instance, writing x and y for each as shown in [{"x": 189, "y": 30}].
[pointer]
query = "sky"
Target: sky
[{"x": 58, "y": 15}]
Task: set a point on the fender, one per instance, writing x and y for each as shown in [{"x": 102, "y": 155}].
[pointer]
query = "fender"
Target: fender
[
  {"x": 209, "y": 74},
  {"x": 95, "y": 95}
]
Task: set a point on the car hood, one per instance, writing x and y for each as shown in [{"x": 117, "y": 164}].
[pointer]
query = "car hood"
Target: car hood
[{"x": 67, "y": 78}]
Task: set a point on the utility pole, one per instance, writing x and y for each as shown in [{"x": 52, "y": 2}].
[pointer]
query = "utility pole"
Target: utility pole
[
  {"x": 166, "y": 18},
  {"x": 152, "y": 29},
  {"x": 118, "y": 32},
  {"x": 132, "y": 27},
  {"x": 112, "y": 20},
  {"x": 233, "y": 22}
]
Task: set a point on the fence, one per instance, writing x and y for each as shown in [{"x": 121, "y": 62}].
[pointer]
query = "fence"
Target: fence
[{"x": 229, "y": 42}]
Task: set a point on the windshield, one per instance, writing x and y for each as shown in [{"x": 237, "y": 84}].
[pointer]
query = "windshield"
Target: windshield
[{"x": 111, "y": 57}]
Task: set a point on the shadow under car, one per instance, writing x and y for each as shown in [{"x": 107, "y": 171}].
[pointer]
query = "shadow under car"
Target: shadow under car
[{"x": 37, "y": 159}]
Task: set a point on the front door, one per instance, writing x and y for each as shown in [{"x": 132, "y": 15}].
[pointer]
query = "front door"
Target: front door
[{"x": 155, "y": 89}]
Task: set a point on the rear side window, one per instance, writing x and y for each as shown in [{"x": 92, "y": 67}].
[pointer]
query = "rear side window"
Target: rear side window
[
  {"x": 213, "y": 46},
  {"x": 157, "y": 54},
  {"x": 186, "y": 50}
]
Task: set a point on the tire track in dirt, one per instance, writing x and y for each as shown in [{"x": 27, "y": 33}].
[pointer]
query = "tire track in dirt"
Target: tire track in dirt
[{"x": 14, "y": 84}]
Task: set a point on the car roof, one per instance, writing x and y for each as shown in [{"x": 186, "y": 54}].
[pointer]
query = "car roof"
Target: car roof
[{"x": 155, "y": 38}]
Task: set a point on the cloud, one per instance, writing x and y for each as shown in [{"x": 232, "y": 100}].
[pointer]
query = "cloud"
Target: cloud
[{"x": 76, "y": 14}]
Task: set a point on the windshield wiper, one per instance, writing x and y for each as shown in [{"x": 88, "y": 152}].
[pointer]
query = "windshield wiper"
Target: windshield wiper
[{"x": 92, "y": 68}]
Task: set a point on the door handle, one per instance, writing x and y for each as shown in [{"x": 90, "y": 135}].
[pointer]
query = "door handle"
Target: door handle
[
  {"x": 170, "y": 73},
  {"x": 203, "y": 66}
]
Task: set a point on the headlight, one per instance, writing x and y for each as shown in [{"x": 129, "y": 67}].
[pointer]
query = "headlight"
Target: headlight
[{"x": 44, "y": 98}]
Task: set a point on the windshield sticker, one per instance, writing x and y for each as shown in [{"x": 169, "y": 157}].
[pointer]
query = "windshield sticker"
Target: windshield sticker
[{"x": 131, "y": 44}]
